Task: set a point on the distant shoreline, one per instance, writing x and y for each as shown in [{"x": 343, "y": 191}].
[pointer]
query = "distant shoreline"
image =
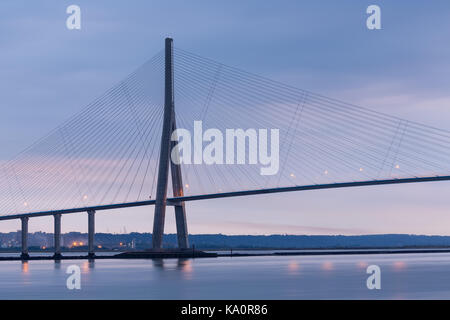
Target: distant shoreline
[{"x": 77, "y": 242}]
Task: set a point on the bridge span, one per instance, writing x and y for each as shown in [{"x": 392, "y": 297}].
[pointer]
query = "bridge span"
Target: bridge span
[{"x": 175, "y": 201}]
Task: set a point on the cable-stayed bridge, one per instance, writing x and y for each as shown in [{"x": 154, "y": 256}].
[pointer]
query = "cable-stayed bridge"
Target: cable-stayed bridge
[{"x": 116, "y": 152}]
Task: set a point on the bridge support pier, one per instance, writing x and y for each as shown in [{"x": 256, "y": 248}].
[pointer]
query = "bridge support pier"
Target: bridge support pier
[
  {"x": 57, "y": 237},
  {"x": 24, "y": 255},
  {"x": 177, "y": 187},
  {"x": 91, "y": 233},
  {"x": 182, "y": 233}
]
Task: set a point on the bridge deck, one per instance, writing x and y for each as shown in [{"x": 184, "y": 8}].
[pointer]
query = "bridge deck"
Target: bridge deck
[{"x": 172, "y": 201}]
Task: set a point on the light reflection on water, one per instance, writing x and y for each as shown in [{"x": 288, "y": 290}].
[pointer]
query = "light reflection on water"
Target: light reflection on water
[
  {"x": 293, "y": 267},
  {"x": 399, "y": 265},
  {"x": 327, "y": 266},
  {"x": 404, "y": 276},
  {"x": 25, "y": 267},
  {"x": 362, "y": 265}
]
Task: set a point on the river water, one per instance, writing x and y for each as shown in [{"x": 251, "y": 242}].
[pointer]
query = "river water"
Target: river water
[{"x": 403, "y": 276}]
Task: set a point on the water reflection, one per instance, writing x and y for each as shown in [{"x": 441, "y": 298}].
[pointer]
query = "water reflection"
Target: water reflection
[
  {"x": 158, "y": 263},
  {"x": 293, "y": 268},
  {"x": 25, "y": 267},
  {"x": 182, "y": 267},
  {"x": 362, "y": 265},
  {"x": 185, "y": 265},
  {"x": 90, "y": 264},
  {"x": 327, "y": 266},
  {"x": 418, "y": 276},
  {"x": 399, "y": 265},
  {"x": 26, "y": 275},
  {"x": 57, "y": 264}
]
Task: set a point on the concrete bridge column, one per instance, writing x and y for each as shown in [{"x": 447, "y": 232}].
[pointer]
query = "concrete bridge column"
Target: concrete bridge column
[
  {"x": 57, "y": 236},
  {"x": 24, "y": 254},
  {"x": 164, "y": 155},
  {"x": 91, "y": 233},
  {"x": 177, "y": 187}
]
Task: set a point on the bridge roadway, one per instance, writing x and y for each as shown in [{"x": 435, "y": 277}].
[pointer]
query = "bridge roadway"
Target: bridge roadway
[{"x": 174, "y": 201}]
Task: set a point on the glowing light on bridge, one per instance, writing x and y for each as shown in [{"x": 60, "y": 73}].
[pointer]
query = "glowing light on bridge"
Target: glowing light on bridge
[{"x": 77, "y": 244}]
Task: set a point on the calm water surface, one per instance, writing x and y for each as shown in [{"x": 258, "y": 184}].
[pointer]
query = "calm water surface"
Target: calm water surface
[{"x": 404, "y": 276}]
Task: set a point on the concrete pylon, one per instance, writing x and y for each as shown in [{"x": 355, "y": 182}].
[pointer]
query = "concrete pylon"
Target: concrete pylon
[
  {"x": 57, "y": 236},
  {"x": 169, "y": 125},
  {"x": 24, "y": 255},
  {"x": 91, "y": 233},
  {"x": 177, "y": 187}
]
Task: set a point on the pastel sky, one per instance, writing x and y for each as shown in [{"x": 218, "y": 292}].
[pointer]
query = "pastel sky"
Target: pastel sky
[{"x": 49, "y": 72}]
